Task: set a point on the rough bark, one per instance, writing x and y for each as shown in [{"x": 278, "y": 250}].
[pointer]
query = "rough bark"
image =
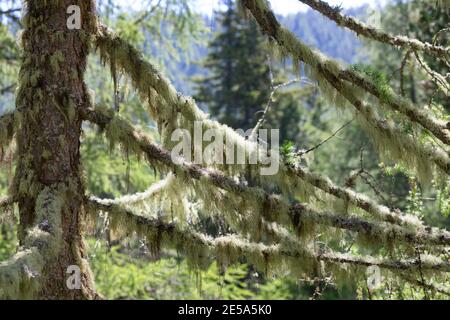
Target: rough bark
[{"x": 51, "y": 96}]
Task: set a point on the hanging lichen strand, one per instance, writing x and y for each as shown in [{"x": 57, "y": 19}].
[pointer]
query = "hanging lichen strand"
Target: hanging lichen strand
[
  {"x": 132, "y": 60},
  {"x": 370, "y": 32},
  {"x": 182, "y": 112},
  {"x": 443, "y": 3},
  {"x": 288, "y": 255},
  {"x": 164, "y": 199},
  {"x": 391, "y": 141},
  {"x": 276, "y": 235},
  {"x": 386, "y": 95},
  {"x": 283, "y": 254},
  {"x": 258, "y": 203},
  {"x": 170, "y": 109}
]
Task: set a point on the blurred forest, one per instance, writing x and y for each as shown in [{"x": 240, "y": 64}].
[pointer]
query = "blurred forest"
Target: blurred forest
[{"x": 223, "y": 61}]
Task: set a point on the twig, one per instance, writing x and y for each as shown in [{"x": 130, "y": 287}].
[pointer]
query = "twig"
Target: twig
[
  {"x": 364, "y": 175},
  {"x": 302, "y": 153},
  {"x": 360, "y": 28},
  {"x": 9, "y": 11},
  {"x": 438, "y": 79},
  {"x": 7, "y": 88},
  {"x": 421, "y": 273},
  {"x": 274, "y": 89},
  {"x": 147, "y": 13},
  {"x": 402, "y": 68}
]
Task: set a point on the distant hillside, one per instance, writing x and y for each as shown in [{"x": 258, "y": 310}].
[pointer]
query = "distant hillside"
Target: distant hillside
[
  {"x": 323, "y": 34},
  {"x": 314, "y": 29}
]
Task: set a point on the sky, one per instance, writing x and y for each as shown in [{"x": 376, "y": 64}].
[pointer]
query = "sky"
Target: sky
[{"x": 285, "y": 6}]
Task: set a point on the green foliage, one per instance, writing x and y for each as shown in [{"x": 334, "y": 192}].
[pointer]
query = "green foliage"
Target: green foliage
[
  {"x": 238, "y": 88},
  {"x": 379, "y": 79},
  {"x": 119, "y": 276},
  {"x": 8, "y": 242},
  {"x": 239, "y": 85}
]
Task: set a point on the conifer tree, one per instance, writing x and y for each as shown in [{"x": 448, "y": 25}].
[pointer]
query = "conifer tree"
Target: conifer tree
[
  {"x": 238, "y": 86},
  {"x": 243, "y": 77},
  {"x": 296, "y": 220}
]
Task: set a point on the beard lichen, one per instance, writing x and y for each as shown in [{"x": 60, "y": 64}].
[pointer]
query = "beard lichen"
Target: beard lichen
[
  {"x": 248, "y": 209},
  {"x": 182, "y": 112},
  {"x": 288, "y": 256},
  {"x": 392, "y": 141},
  {"x": 246, "y": 203}
]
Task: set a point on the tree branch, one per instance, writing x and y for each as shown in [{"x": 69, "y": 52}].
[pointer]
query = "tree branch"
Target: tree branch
[
  {"x": 303, "y": 152},
  {"x": 166, "y": 105},
  {"x": 231, "y": 249},
  {"x": 370, "y": 32},
  {"x": 437, "y": 127},
  {"x": 9, "y": 11},
  {"x": 272, "y": 28},
  {"x": 438, "y": 79},
  {"x": 272, "y": 207},
  {"x": 273, "y": 90},
  {"x": 327, "y": 72},
  {"x": 8, "y": 88}
]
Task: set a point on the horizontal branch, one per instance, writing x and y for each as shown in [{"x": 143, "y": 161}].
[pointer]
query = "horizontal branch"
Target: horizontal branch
[
  {"x": 420, "y": 283},
  {"x": 272, "y": 207},
  {"x": 357, "y": 199},
  {"x": 232, "y": 249},
  {"x": 156, "y": 89},
  {"x": 9, "y": 11},
  {"x": 153, "y": 191},
  {"x": 404, "y": 147},
  {"x": 370, "y": 32},
  {"x": 437, "y": 127},
  {"x": 8, "y": 88},
  {"x": 272, "y": 28},
  {"x": 387, "y": 136}
]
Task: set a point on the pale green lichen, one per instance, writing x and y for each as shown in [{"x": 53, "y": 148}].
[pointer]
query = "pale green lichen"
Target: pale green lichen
[
  {"x": 183, "y": 112},
  {"x": 326, "y": 73},
  {"x": 246, "y": 211},
  {"x": 288, "y": 256}
]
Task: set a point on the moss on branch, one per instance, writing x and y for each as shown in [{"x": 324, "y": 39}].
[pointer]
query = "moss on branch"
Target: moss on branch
[
  {"x": 157, "y": 90},
  {"x": 273, "y": 259},
  {"x": 272, "y": 207},
  {"x": 370, "y": 32},
  {"x": 391, "y": 141}
]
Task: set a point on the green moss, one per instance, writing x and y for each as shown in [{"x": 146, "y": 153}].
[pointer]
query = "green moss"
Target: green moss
[{"x": 55, "y": 60}]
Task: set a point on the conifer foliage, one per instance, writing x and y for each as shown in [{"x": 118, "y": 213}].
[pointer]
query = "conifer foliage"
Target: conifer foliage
[{"x": 292, "y": 222}]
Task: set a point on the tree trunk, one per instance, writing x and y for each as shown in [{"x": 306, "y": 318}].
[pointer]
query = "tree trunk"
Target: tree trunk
[{"x": 50, "y": 98}]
